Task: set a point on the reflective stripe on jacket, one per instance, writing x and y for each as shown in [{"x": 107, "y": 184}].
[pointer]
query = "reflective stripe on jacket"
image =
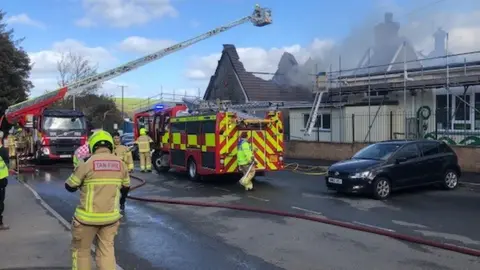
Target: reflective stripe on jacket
[
  {"x": 3, "y": 169},
  {"x": 125, "y": 154},
  {"x": 143, "y": 143},
  {"x": 99, "y": 179},
  {"x": 244, "y": 152}
]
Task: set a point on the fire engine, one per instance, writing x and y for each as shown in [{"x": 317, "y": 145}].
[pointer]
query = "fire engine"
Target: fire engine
[
  {"x": 202, "y": 138},
  {"x": 55, "y": 133},
  {"x": 33, "y": 114}
]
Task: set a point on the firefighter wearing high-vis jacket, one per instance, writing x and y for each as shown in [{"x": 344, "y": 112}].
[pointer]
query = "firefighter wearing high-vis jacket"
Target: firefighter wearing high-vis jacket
[
  {"x": 101, "y": 180},
  {"x": 144, "y": 142},
  {"x": 246, "y": 161},
  {"x": 12, "y": 153},
  {"x": 125, "y": 154}
]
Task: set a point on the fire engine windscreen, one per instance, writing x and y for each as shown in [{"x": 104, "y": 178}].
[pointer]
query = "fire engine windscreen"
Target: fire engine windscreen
[{"x": 64, "y": 123}]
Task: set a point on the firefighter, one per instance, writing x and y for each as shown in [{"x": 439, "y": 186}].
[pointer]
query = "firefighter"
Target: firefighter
[
  {"x": 12, "y": 153},
  {"x": 100, "y": 179},
  {"x": 3, "y": 180},
  {"x": 144, "y": 142},
  {"x": 246, "y": 161},
  {"x": 125, "y": 154}
]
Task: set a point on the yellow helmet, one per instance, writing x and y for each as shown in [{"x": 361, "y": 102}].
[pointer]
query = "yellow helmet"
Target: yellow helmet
[
  {"x": 143, "y": 131},
  {"x": 100, "y": 138}
]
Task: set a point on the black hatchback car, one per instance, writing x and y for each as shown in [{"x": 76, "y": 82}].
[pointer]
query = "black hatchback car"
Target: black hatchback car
[{"x": 383, "y": 167}]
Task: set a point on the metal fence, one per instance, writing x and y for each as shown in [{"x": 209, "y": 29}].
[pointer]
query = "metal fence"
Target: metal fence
[{"x": 387, "y": 125}]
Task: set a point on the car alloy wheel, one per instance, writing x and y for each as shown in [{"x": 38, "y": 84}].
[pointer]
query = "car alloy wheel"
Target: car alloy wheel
[
  {"x": 451, "y": 179},
  {"x": 382, "y": 188}
]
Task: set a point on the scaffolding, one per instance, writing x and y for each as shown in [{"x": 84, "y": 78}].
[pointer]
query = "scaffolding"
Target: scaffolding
[{"x": 351, "y": 83}]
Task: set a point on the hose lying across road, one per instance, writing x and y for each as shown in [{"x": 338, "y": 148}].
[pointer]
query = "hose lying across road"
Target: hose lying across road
[{"x": 398, "y": 236}]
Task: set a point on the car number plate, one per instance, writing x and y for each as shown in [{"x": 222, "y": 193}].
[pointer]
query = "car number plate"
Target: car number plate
[
  {"x": 65, "y": 156},
  {"x": 334, "y": 180}
]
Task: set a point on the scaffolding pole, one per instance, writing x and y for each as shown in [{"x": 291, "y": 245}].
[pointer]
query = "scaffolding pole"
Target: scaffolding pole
[{"x": 405, "y": 91}]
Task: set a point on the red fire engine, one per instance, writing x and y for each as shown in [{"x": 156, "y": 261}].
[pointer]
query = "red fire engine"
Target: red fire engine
[{"x": 206, "y": 143}]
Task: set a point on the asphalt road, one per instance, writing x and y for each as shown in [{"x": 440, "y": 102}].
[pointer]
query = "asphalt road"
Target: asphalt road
[{"x": 157, "y": 236}]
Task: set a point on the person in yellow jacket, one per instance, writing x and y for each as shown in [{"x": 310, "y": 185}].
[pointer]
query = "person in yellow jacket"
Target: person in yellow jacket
[
  {"x": 246, "y": 161},
  {"x": 3, "y": 181},
  {"x": 144, "y": 141},
  {"x": 125, "y": 154},
  {"x": 100, "y": 180}
]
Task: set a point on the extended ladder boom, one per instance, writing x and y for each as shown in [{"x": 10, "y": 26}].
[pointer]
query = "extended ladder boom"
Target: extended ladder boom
[
  {"x": 202, "y": 105},
  {"x": 260, "y": 17}
]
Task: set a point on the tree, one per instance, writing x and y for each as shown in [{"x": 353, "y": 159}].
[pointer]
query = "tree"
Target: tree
[
  {"x": 15, "y": 69},
  {"x": 73, "y": 67},
  {"x": 100, "y": 110}
]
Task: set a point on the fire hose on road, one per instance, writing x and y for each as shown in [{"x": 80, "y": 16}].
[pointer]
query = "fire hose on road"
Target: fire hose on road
[{"x": 398, "y": 236}]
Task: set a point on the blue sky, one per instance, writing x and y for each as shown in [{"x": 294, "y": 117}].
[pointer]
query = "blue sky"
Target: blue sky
[{"x": 295, "y": 23}]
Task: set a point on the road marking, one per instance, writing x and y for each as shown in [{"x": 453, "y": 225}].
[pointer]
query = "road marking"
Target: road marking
[
  {"x": 257, "y": 198},
  {"x": 373, "y": 226},
  {"x": 54, "y": 213},
  {"x": 222, "y": 189},
  {"x": 307, "y": 210}
]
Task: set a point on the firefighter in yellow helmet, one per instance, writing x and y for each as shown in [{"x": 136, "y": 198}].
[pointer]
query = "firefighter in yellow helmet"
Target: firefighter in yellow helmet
[
  {"x": 100, "y": 179},
  {"x": 144, "y": 142},
  {"x": 125, "y": 154},
  {"x": 246, "y": 161}
]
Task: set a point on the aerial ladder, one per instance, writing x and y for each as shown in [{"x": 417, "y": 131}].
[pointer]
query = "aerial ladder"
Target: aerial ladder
[
  {"x": 312, "y": 118},
  {"x": 260, "y": 17}
]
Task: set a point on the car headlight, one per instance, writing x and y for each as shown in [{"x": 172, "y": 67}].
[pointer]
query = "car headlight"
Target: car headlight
[{"x": 362, "y": 175}]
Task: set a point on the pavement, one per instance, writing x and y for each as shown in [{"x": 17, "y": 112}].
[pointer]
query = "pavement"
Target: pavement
[
  {"x": 159, "y": 236},
  {"x": 36, "y": 239}
]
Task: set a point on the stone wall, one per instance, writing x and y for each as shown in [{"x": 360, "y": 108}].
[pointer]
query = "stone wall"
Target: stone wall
[{"x": 469, "y": 157}]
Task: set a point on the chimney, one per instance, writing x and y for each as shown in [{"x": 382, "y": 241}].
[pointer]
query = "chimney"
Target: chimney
[
  {"x": 387, "y": 31},
  {"x": 440, "y": 36}
]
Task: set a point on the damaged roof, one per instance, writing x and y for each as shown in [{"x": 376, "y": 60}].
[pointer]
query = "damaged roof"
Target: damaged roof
[{"x": 258, "y": 89}]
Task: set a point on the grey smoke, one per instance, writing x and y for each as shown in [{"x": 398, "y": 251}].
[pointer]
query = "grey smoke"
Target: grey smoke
[{"x": 384, "y": 40}]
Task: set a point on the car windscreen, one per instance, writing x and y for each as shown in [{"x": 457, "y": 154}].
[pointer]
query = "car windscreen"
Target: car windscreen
[
  {"x": 380, "y": 151},
  {"x": 64, "y": 123}
]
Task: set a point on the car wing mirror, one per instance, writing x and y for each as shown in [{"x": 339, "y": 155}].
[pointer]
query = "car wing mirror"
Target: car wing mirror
[{"x": 400, "y": 160}]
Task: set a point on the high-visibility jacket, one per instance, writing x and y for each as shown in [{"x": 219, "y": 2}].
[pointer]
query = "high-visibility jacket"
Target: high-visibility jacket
[
  {"x": 3, "y": 169},
  {"x": 81, "y": 154},
  {"x": 143, "y": 143},
  {"x": 244, "y": 152},
  {"x": 125, "y": 154},
  {"x": 99, "y": 179}
]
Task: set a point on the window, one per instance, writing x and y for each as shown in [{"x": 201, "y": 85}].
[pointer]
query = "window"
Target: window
[
  {"x": 208, "y": 127},
  {"x": 379, "y": 151},
  {"x": 178, "y": 127},
  {"x": 193, "y": 127},
  {"x": 64, "y": 123},
  {"x": 429, "y": 148},
  {"x": 455, "y": 112},
  {"x": 409, "y": 151},
  {"x": 323, "y": 121}
]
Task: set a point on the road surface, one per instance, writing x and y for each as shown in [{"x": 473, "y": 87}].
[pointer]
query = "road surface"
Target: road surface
[{"x": 157, "y": 236}]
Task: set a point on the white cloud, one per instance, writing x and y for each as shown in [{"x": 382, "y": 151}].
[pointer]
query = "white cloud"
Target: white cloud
[
  {"x": 256, "y": 59},
  {"x": 25, "y": 20},
  {"x": 144, "y": 45},
  {"x": 124, "y": 13},
  {"x": 44, "y": 72}
]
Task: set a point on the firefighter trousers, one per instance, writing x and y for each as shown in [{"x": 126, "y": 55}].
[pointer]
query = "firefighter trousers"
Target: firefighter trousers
[
  {"x": 145, "y": 161},
  {"x": 82, "y": 240},
  {"x": 13, "y": 163},
  {"x": 2, "y": 202},
  {"x": 247, "y": 177}
]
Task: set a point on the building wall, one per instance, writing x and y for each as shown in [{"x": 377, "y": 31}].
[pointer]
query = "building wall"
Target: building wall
[
  {"x": 468, "y": 157},
  {"x": 232, "y": 90},
  {"x": 297, "y": 120}
]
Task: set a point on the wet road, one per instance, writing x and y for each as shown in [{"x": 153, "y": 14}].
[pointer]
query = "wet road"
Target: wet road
[{"x": 156, "y": 236}]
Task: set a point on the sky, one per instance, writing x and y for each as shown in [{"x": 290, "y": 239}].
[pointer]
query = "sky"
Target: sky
[{"x": 112, "y": 32}]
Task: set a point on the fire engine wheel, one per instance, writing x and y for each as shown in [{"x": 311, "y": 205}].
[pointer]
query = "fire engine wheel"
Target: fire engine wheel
[
  {"x": 192, "y": 170},
  {"x": 159, "y": 160}
]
